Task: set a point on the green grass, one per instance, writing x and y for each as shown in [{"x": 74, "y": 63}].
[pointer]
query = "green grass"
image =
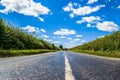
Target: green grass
[
  {"x": 12, "y": 53},
  {"x": 114, "y": 54}
]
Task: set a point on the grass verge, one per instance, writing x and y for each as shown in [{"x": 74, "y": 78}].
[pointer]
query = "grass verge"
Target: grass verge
[
  {"x": 114, "y": 54},
  {"x": 12, "y": 53}
]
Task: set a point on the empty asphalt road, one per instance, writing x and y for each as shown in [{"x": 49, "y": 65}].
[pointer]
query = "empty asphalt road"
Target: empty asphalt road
[{"x": 59, "y": 66}]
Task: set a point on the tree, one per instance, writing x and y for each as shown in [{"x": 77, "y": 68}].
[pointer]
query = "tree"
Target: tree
[
  {"x": 61, "y": 47},
  {"x": 53, "y": 46},
  {"x": 107, "y": 43},
  {"x": 15, "y": 38}
]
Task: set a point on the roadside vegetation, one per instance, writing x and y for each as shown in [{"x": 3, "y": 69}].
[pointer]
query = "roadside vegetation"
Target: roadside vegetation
[
  {"x": 15, "y": 42},
  {"x": 10, "y": 53},
  {"x": 108, "y": 45}
]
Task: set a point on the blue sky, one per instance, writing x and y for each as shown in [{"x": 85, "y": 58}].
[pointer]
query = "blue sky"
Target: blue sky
[{"x": 66, "y": 22}]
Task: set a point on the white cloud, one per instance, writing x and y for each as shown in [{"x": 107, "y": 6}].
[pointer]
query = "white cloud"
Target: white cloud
[
  {"x": 69, "y": 38},
  {"x": 64, "y": 32},
  {"x": 87, "y": 10},
  {"x": 46, "y": 36},
  {"x": 88, "y": 25},
  {"x": 71, "y": 15},
  {"x": 91, "y": 1},
  {"x": 31, "y": 29},
  {"x": 62, "y": 37},
  {"x": 81, "y": 11},
  {"x": 54, "y": 37},
  {"x": 77, "y": 39},
  {"x": 25, "y": 7},
  {"x": 83, "y": 41},
  {"x": 78, "y": 36},
  {"x": 56, "y": 42},
  {"x": 90, "y": 19},
  {"x": 76, "y": 4},
  {"x": 80, "y": 21},
  {"x": 68, "y": 8},
  {"x": 108, "y": 26},
  {"x": 41, "y": 19},
  {"x": 100, "y": 36},
  {"x": 43, "y": 30},
  {"x": 49, "y": 40},
  {"x": 118, "y": 7}
]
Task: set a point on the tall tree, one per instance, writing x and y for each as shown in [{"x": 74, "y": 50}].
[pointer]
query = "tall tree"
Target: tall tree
[
  {"x": 15, "y": 38},
  {"x": 61, "y": 47}
]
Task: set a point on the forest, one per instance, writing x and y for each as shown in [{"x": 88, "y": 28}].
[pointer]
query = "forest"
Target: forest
[
  {"x": 12, "y": 38},
  {"x": 107, "y": 45}
]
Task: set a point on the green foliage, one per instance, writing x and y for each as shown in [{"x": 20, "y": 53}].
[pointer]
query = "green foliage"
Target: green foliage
[
  {"x": 61, "y": 47},
  {"x": 115, "y": 54},
  {"x": 16, "y": 39},
  {"x": 10, "y": 53},
  {"x": 107, "y": 43},
  {"x": 53, "y": 46}
]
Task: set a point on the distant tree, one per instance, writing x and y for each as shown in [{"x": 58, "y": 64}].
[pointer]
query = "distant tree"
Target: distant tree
[
  {"x": 53, "y": 46},
  {"x": 61, "y": 47},
  {"x": 65, "y": 49}
]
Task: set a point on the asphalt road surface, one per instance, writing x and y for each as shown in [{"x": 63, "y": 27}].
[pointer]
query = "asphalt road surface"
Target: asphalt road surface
[{"x": 59, "y": 66}]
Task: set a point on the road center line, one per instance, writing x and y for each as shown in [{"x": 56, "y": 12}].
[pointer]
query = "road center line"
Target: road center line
[{"x": 68, "y": 70}]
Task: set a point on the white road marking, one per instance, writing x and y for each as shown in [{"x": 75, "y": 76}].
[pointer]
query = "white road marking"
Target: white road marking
[{"x": 68, "y": 70}]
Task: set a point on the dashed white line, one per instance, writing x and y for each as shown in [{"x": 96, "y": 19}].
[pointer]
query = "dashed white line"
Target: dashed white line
[{"x": 68, "y": 70}]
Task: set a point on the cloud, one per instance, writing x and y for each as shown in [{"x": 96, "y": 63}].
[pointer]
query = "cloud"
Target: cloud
[
  {"x": 62, "y": 37},
  {"x": 83, "y": 41},
  {"x": 25, "y": 7},
  {"x": 81, "y": 11},
  {"x": 56, "y": 42},
  {"x": 91, "y": 1},
  {"x": 78, "y": 36},
  {"x": 43, "y": 30},
  {"x": 90, "y": 19},
  {"x": 31, "y": 29},
  {"x": 76, "y": 4},
  {"x": 69, "y": 38},
  {"x": 41, "y": 19},
  {"x": 108, "y": 26},
  {"x": 46, "y": 36},
  {"x": 77, "y": 39},
  {"x": 71, "y": 15},
  {"x": 64, "y": 32},
  {"x": 118, "y": 7},
  {"x": 68, "y": 8},
  {"x": 86, "y": 10},
  {"x": 88, "y": 25},
  {"x": 100, "y": 36},
  {"x": 49, "y": 40}
]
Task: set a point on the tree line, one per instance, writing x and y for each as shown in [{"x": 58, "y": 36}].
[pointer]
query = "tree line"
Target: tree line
[
  {"x": 12, "y": 38},
  {"x": 107, "y": 43}
]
